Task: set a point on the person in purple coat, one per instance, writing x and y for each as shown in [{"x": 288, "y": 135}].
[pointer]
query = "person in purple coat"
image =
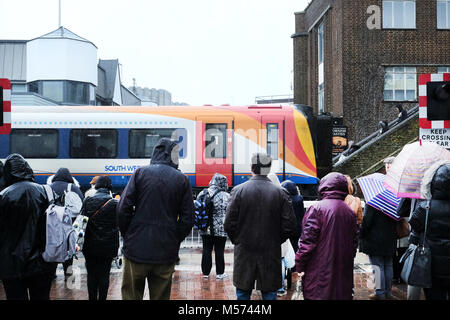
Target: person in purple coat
[{"x": 328, "y": 243}]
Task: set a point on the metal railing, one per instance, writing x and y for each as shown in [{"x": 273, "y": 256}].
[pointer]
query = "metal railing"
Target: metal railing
[
  {"x": 194, "y": 239},
  {"x": 375, "y": 136}
]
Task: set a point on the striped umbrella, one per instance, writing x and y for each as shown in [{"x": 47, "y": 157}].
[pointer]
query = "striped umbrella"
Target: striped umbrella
[
  {"x": 407, "y": 170},
  {"x": 377, "y": 196}
]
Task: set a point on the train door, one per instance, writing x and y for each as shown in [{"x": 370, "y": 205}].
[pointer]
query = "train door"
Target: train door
[
  {"x": 214, "y": 148},
  {"x": 273, "y": 138}
]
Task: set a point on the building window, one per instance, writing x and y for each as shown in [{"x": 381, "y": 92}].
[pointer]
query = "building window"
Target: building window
[
  {"x": 443, "y": 14},
  {"x": 34, "y": 143},
  {"x": 443, "y": 69},
  {"x": 398, "y": 14},
  {"x": 216, "y": 140},
  {"x": 321, "y": 101},
  {"x": 272, "y": 140},
  {"x": 320, "y": 43},
  {"x": 53, "y": 90},
  {"x": 93, "y": 143},
  {"x": 65, "y": 92},
  {"x": 321, "y": 51},
  {"x": 400, "y": 84},
  {"x": 143, "y": 141}
]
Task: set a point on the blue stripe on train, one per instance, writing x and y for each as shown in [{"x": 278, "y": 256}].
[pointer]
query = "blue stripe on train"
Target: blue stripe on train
[{"x": 120, "y": 181}]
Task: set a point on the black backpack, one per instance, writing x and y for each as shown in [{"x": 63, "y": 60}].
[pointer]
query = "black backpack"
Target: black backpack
[{"x": 204, "y": 210}]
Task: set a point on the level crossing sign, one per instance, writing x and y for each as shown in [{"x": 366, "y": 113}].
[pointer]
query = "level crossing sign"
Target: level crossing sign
[
  {"x": 434, "y": 108},
  {"x": 5, "y": 105}
]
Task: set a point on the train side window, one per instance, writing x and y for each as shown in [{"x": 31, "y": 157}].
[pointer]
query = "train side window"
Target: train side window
[
  {"x": 141, "y": 142},
  {"x": 272, "y": 140},
  {"x": 93, "y": 143},
  {"x": 216, "y": 140},
  {"x": 34, "y": 143}
]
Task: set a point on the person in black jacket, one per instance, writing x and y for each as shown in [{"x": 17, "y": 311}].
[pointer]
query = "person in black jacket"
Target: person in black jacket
[
  {"x": 102, "y": 238},
  {"x": 299, "y": 210},
  {"x": 59, "y": 184},
  {"x": 435, "y": 187},
  {"x": 378, "y": 240},
  {"x": 2, "y": 181},
  {"x": 25, "y": 275},
  {"x": 155, "y": 214}
]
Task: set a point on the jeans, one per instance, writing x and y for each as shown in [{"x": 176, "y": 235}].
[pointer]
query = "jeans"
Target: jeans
[
  {"x": 98, "y": 270},
  {"x": 30, "y": 288},
  {"x": 283, "y": 272},
  {"x": 218, "y": 243},
  {"x": 245, "y": 295},
  {"x": 383, "y": 271}
]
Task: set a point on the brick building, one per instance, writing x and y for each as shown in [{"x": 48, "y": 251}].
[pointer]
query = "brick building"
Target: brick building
[{"x": 359, "y": 59}]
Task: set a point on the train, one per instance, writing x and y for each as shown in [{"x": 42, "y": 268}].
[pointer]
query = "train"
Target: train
[{"x": 116, "y": 140}]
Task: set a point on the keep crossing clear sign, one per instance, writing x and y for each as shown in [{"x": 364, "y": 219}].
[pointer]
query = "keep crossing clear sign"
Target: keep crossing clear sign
[{"x": 439, "y": 136}]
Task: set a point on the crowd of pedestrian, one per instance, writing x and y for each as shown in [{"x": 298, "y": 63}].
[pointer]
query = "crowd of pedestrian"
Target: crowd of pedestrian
[{"x": 156, "y": 212}]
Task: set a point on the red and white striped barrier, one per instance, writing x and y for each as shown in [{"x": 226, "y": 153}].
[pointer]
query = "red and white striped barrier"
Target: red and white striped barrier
[
  {"x": 5, "y": 84},
  {"x": 424, "y": 123}
]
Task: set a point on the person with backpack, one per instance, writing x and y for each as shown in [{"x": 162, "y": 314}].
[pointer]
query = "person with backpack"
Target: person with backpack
[
  {"x": 101, "y": 242},
  {"x": 215, "y": 201},
  {"x": 65, "y": 188},
  {"x": 155, "y": 214},
  {"x": 24, "y": 273}
]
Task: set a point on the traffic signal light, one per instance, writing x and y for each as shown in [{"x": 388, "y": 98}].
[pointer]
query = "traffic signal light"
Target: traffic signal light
[{"x": 438, "y": 100}]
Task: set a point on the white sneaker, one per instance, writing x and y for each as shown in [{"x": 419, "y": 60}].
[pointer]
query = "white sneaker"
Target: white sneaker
[
  {"x": 205, "y": 276},
  {"x": 281, "y": 293},
  {"x": 221, "y": 276}
]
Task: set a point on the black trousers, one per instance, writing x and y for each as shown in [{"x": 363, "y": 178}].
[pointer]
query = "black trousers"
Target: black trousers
[
  {"x": 218, "y": 244},
  {"x": 98, "y": 270},
  {"x": 30, "y": 288},
  {"x": 439, "y": 293}
]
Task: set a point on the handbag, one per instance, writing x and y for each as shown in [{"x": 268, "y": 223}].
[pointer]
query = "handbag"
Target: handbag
[
  {"x": 402, "y": 228},
  {"x": 417, "y": 261}
]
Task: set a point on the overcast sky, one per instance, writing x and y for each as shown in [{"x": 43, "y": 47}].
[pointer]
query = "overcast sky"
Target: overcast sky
[{"x": 202, "y": 51}]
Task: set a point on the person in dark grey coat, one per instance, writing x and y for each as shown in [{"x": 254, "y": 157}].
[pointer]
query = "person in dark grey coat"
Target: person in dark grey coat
[
  {"x": 259, "y": 219},
  {"x": 155, "y": 214}
]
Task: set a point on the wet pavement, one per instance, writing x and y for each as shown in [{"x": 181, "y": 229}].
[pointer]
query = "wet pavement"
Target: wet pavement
[{"x": 188, "y": 282}]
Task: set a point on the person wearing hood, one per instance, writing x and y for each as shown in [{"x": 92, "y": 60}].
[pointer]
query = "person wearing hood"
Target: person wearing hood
[
  {"x": 299, "y": 210},
  {"x": 59, "y": 184},
  {"x": 102, "y": 237},
  {"x": 155, "y": 213},
  {"x": 61, "y": 180},
  {"x": 215, "y": 236},
  {"x": 435, "y": 188},
  {"x": 328, "y": 243},
  {"x": 24, "y": 273},
  {"x": 259, "y": 219}
]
